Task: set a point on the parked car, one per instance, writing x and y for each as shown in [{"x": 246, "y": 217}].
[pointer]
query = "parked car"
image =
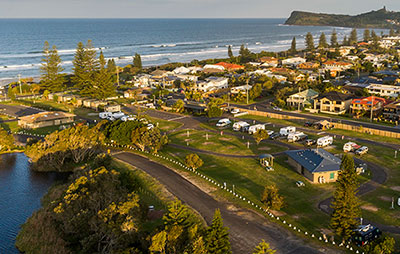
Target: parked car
[
  {"x": 300, "y": 184},
  {"x": 270, "y": 132},
  {"x": 362, "y": 150},
  {"x": 277, "y": 108},
  {"x": 235, "y": 111},
  {"x": 310, "y": 142},
  {"x": 223, "y": 122},
  {"x": 268, "y": 168},
  {"x": 274, "y": 135},
  {"x": 308, "y": 124},
  {"x": 105, "y": 115}
]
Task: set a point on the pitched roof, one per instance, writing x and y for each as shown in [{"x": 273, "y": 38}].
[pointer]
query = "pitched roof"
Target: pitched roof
[
  {"x": 335, "y": 96},
  {"x": 230, "y": 66},
  {"x": 369, "y": 100},
  {"x": 315, "y": 160},
  {"x": 45, "y": 116},
  {"x": 306, "y": 93}
]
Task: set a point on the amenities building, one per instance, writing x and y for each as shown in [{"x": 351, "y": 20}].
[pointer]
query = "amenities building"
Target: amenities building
[{"x": 44, "y": 119}]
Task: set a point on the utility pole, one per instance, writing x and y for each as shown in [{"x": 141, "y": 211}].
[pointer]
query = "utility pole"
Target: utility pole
[
  {"x": 298, "y": 103},
  {"x": 372, "y": 108},
  {"x": 19, "y": 82},
  {"x": 247, "y": 92}
]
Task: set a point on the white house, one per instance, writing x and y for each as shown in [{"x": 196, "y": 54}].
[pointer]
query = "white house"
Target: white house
[
  {"x": 214, "y": 66},
  {"x": 181, "y": 70},
  {"x": 384, "y": 90},
  {"x": 212, "y": 84},
  {"x": 240, "y": 89},
  {"x": 294, "y": 61}
]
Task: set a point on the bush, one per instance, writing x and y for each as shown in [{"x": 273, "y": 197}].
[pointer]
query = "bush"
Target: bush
[{"x": 193, "y": 161}]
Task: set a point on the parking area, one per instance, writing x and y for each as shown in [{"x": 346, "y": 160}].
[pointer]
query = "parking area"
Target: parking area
[{"x": 17, "y": 110}]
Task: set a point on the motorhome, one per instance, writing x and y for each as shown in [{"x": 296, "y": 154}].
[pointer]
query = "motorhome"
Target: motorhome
[
  {"x": 241, "y": 126},
  {"x": 253, "y": 129},
  {"x": 118, "y": 115},
  {"x": 325, "y": 141},
  {"x": 297, "y": 136},
  {"x": 287, "y": 130},
  {"x": 365, "y": 234},
  {"x": 350, "y": 147},
  {"x": 223, "y": 122}
]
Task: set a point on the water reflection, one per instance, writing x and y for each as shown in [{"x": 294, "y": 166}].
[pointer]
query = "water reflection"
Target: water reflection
[{"x": 20, "y": 192}]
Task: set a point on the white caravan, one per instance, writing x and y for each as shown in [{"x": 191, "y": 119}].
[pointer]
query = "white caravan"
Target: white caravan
[
  {"x": 253, "y": 129},
  {"x": 325, "y": 141},
  {"x": 287, "y": 130},
  {"x": 240, "y": 126}
]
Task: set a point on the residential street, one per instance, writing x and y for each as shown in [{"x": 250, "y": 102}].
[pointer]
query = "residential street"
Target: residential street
[{"x": 247, "y": 228}]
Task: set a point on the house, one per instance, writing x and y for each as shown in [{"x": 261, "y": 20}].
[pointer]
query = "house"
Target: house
[
  {"x": 181, "y": 70},
  {"x": 213, "y": 68},
  {"x": 159, "y": 73},
  {"x": 269, "y": 61},
  {"x": 304, "y": 98},
  {"x": 142, "y": 80},
  {"x": 334, "y": 66},
  {"x": 112, "y": 108},
  {"x": 44, "y": 119},
  {"x": 317, "y": 165},
  {"x": 384, "y": 90},
  {"x": 294, "y": 61},
  {"x": 240, "y": 89},
  {"x": 308, "y": 66},
  {"x": 391, "y": 111},
  {"x": 334, "y": 103},
  {"x": 230, "y": 67},
  {"x": 368, "y": 104},
  {"x": 212, "y": 84}
]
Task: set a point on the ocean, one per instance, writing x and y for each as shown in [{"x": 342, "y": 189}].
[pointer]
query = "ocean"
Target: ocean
[{"x": 159, "y": 41}]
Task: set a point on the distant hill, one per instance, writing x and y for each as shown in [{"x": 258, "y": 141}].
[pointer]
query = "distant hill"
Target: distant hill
[{"x": 374, "y": 19}]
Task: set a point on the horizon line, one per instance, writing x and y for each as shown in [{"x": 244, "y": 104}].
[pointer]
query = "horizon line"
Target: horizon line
[{"x": 141, "y": 18}]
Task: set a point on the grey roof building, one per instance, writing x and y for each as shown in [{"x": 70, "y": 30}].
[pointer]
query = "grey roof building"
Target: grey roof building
[{"x": 317, "y": 165}]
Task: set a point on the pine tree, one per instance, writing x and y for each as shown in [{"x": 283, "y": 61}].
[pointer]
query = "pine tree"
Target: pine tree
[
  {"x": 217, "y": 238},
  {"x": 334, "y": 39},
  {"x": 322, "y": 41},
  {"x": 263, "y": 248},
  {"x": 104, "y": 86},
  {"x": 346, "y": 205},
  {"x": 367, "y": 35},
  {"x": 111, "y": 67},
  {"x": 178, "y": 215},
  {"x": 51, "y": 77},
  {"x": 345, "y": 41},
  {"x": 353, "y": 37},
  {"x": 137, "y": 62},
  {"x": 293, "y": 47},
  {"x": 375, "y": 39},
  {"x": 391, "y": 32},
  {"x": 309, "y": 42},
  {"x": 230, "y": 53},
  {"x": 85, "y": 69}
]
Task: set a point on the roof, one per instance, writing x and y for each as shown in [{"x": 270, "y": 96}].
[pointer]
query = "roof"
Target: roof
[
  {"x": 315, "y": 160},
  {"x": 335, "y": 96},
  {"x": 45, "y": 116},
  {"x": 369, "y": 100},
  {"x": 306, "y": 93},
  {"x": 264, "y": 156},
  {"x": 268, "y": 59},
  {"x": 230, "y": 66},
  {"x": 337, "y": 63}
]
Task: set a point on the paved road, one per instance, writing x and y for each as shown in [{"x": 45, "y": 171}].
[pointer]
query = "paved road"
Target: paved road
[
  {"x": 17, "y": 111},
  {"x": 263, "y": 107},
  {"x": 247, "y": 228}
]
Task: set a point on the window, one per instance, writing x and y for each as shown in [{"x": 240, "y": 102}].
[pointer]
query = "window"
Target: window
[{"x": 332, "y": 176}]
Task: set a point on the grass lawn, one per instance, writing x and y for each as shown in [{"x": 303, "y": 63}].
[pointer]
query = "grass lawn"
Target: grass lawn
[
  {"x": 13, "y": 127},
  {"x": 225, "y": 144},
  {"x": 164, "y": 125}
]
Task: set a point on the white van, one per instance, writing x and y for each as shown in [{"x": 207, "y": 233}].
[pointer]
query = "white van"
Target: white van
[
  {"x": 350, "y": 147},
  {"x": 223, "y": 122},
  {"x": 325, "y": 141},
  {"x": 118, "y": 115},
  {"x": 287, "y": 130},
  {"x": 105, "y": 115},
  {"x": 240, "y": 126},
  {"x": 253, "y": 129}
]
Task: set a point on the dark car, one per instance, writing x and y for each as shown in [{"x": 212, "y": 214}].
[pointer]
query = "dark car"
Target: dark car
[
  {"x": 274, "y": 135},
  {"x": 308, "y": 124},
  {"x": 310, "y": 142}
]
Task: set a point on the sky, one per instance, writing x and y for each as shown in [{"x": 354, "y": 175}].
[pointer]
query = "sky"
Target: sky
[{"x": 183, "y": 8}]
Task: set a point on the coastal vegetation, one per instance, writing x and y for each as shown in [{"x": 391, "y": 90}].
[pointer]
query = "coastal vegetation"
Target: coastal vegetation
[{"x": 6, "y": 141}]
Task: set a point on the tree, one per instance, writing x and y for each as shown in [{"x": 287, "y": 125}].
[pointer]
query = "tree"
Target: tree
[
  {"x": 375, "y": 39},
  {"x": 353, "y": 37},
  {"x": 230, "y": 53},
  {"x": 213, "y": 108},
  {"x": 260, "y": 135},
  {"x": 217, "y": 238},
  {"x": 245, "y": 54},
  {"x": 293, "y": 47},
  {"x": 152, "y": 139},
  {"x": 50, "y": 69},
  {"x": 309, "y": 42},
  {"x": 85, "y": 69},
  {"x": 158, "y": 243},
  {"x": 255, "y": 91},
  {"x": 193, "y": 161},
  {"x": 111, "y": 67},
  {"x": 263, "y": 248},
  {"x": 104, "y": 86},
  {"x": 391, "y": 32},
  {"x": 345, "y": 41},
  {"x": 6, "y": 140},
  {"x": 334, "y": 39},
  {"x": 137, "y": 62},
  {"x": 179, "y": 106},
  {"x": 322, "y": 41},
  {"x": 271, "y": 198},
  {"x": 367, "y": 35},
  {"x": 346, "y": 206},
  {"x": 387, "y": 246}
]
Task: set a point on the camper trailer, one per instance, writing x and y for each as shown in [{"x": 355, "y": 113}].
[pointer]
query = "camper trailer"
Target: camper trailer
[
  {"x": 325, "y": 141},
  {"x": 241, "y": 126},
  {"x": 223, "y": 122},
  {"x": 287, "y": 130},
  {"x": 118, "y": 115},
  {"x": 350, "y": 147},
  {"x": 253, "y": 129},
  {"x": 105, "y": 115},
  {"x": 297, "y": 136}
]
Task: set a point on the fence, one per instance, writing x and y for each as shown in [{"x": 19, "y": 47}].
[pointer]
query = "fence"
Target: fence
[{"x": 342, "y": 126}]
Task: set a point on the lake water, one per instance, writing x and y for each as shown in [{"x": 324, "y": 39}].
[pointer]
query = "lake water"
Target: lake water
[
  {"x": 20, "y": 192},
  {"x": 159, "y": 41}
]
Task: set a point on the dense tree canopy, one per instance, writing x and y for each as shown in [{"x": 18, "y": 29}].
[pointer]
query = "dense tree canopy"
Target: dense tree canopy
[{"x": 50, "y": 69}]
